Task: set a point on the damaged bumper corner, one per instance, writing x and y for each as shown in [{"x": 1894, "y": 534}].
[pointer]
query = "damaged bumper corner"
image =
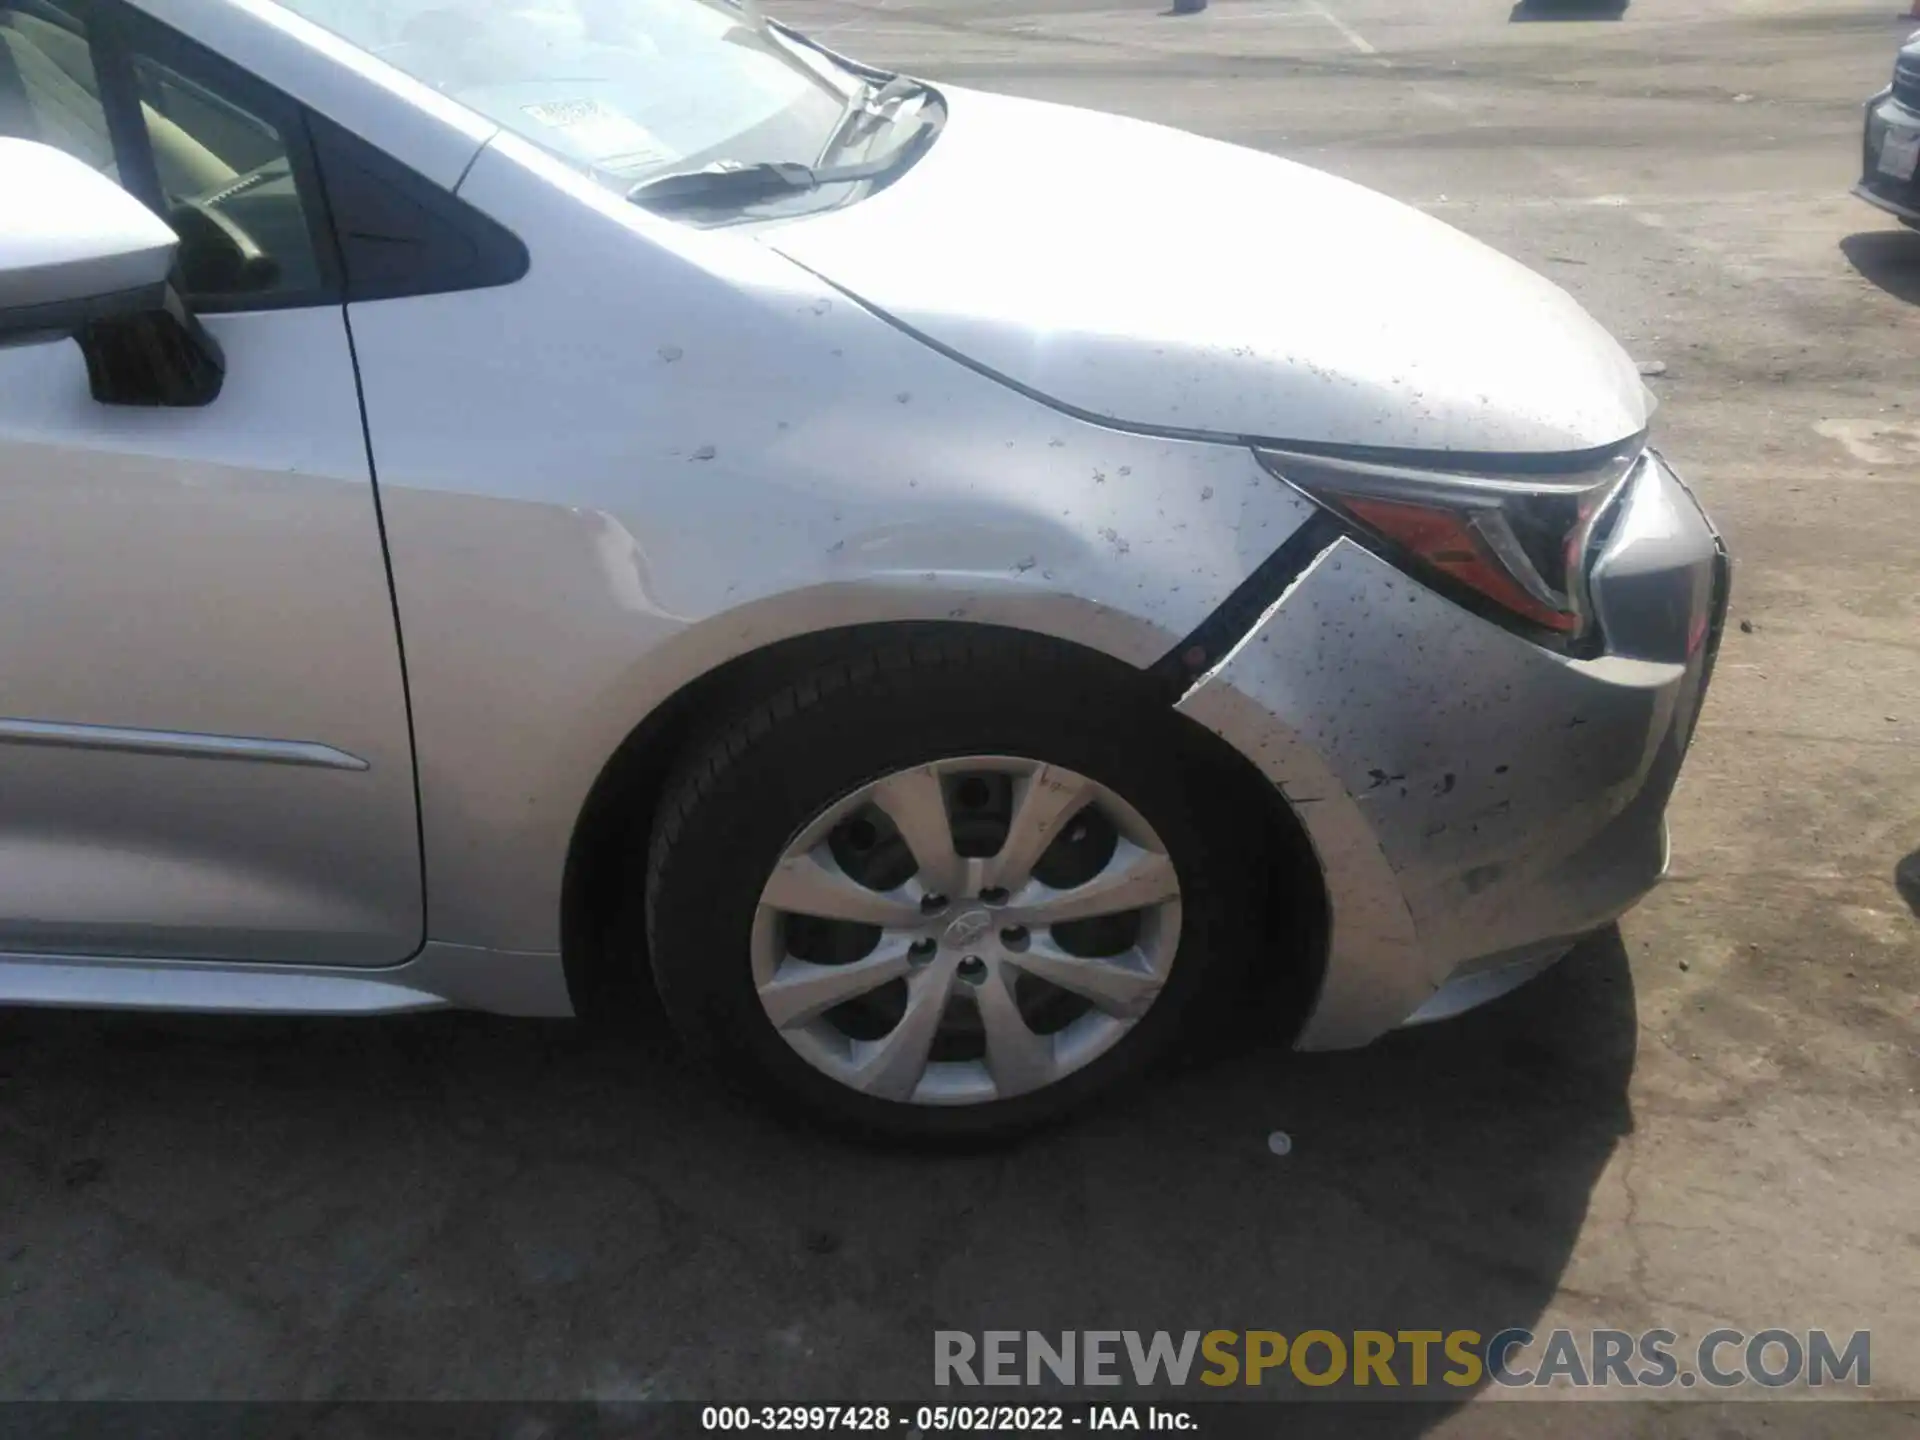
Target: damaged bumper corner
[{"x": 1477, "y": 803}]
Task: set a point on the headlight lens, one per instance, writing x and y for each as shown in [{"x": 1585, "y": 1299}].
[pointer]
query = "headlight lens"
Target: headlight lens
[{"x": 1518, "y": 542}]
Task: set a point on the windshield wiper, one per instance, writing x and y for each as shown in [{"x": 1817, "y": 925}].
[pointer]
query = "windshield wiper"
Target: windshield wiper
[
  {"x": 868, "y": 101},
  {"x": 729, "y": 182}
]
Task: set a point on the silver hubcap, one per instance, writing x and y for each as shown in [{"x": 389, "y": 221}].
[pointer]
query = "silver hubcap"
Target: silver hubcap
[{"x": 966, "y": 931}]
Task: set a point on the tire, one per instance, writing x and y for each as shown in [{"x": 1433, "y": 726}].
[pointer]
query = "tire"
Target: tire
[{"x": 969, "y": 709}]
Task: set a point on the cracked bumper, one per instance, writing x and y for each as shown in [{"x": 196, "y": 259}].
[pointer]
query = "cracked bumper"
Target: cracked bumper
[{"x": 1476, "y": 802}]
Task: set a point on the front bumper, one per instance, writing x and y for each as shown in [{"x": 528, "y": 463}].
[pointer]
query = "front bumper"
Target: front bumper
[
  {"x": 1898, "y": 195},
  {"x": 1476, "y": 802}
]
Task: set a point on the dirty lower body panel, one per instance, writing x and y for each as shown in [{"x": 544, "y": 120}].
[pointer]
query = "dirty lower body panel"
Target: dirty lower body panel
[{"x": 1476, "y": 802}]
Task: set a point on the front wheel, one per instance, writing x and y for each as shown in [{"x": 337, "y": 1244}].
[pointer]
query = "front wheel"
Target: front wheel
[{"x": 952, "y": 890}]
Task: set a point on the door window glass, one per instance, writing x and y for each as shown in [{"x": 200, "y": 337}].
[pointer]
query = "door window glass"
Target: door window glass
[{"x": 217, "y": 166}]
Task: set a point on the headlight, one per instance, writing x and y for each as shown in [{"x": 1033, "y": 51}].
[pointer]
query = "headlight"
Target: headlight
[{"x": 1514, "y": 542}]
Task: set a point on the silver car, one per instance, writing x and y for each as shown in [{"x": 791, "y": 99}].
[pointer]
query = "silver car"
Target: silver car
[{"x": 501, "y": 499}]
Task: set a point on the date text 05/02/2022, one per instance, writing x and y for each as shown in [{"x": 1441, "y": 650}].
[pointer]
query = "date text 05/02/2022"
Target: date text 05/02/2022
[{"x": 932, "y": 1419}]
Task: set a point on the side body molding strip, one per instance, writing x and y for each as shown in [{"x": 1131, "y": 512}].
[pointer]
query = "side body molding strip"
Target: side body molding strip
[{"x": 63, "y": 736}]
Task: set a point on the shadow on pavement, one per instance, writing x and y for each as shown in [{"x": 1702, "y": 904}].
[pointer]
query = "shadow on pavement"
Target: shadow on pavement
[
  {"x": 1532, "y": 10},
  {"x": 1889, "y": 258},
  {"x": 462, "y": 1207}
]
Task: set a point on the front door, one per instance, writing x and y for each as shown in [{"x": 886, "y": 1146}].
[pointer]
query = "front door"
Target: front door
[{"x": 204, "y": 747}]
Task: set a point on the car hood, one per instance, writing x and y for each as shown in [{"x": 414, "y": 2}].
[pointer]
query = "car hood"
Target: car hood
[{"x": 1150, "y": 278}]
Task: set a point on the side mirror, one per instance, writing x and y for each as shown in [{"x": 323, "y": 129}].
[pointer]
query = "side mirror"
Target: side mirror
[
  {"x": 81, "y": 257},
  {"x": 76, "y": 247}
]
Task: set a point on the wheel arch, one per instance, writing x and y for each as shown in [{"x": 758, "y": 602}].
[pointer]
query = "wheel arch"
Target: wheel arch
[{"x": 615, "y": 820}]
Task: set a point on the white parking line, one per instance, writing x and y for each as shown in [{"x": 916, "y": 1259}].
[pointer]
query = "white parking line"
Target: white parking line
[
  {"x": 1560, "y": 171},
  {"x": 1352, "y": 36}
]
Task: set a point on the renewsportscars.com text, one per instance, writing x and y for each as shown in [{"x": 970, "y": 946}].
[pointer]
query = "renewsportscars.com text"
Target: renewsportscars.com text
[{"x": 1514, "y": 1358}]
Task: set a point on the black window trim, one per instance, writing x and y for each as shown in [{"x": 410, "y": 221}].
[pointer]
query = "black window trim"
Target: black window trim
[{"x": 424, "y": 239}]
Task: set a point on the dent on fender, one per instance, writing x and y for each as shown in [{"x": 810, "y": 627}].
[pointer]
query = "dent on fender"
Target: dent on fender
[{"x": 887, "y": 483}]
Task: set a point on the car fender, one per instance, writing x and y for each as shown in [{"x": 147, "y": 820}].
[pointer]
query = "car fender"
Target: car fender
[{"x": 665, "y": 448}]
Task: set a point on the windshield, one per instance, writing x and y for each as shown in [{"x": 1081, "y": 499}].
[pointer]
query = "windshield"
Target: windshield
[{"x": 627, "y": 89}]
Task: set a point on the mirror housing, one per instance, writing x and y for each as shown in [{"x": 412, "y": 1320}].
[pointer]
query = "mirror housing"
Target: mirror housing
[
  {"x": 76, "y": 248},
  {"x": 80, "y": 258}
]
